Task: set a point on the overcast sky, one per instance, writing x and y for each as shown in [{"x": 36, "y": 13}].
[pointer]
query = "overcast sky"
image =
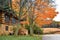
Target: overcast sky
[{"x": 57, "y": 18}]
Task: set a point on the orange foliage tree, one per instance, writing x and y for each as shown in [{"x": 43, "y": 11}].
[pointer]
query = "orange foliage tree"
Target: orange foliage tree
[{"x": 42, "y": 10}]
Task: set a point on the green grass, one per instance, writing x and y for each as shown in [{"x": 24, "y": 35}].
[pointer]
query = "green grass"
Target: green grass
[{"x": 20, "y": 37}]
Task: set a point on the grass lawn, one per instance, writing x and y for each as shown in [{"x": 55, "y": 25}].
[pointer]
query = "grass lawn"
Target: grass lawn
[{"x": 20, "y": 37}]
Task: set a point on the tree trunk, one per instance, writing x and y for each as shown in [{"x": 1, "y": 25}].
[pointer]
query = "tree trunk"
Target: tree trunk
[{"x": 16, "y": 31}]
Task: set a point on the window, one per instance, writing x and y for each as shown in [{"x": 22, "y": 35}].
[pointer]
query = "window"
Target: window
[
  {"x": 7, "y": 18},
  {"x": 6, "y": 28},
  {"x": 13, "y": 20}
]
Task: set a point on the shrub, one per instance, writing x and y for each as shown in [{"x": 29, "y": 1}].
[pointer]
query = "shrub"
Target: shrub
[{"x": 36, "y": 29}]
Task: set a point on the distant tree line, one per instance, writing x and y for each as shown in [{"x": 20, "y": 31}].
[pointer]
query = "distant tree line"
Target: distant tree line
[{"x": 52, "y": 25}]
